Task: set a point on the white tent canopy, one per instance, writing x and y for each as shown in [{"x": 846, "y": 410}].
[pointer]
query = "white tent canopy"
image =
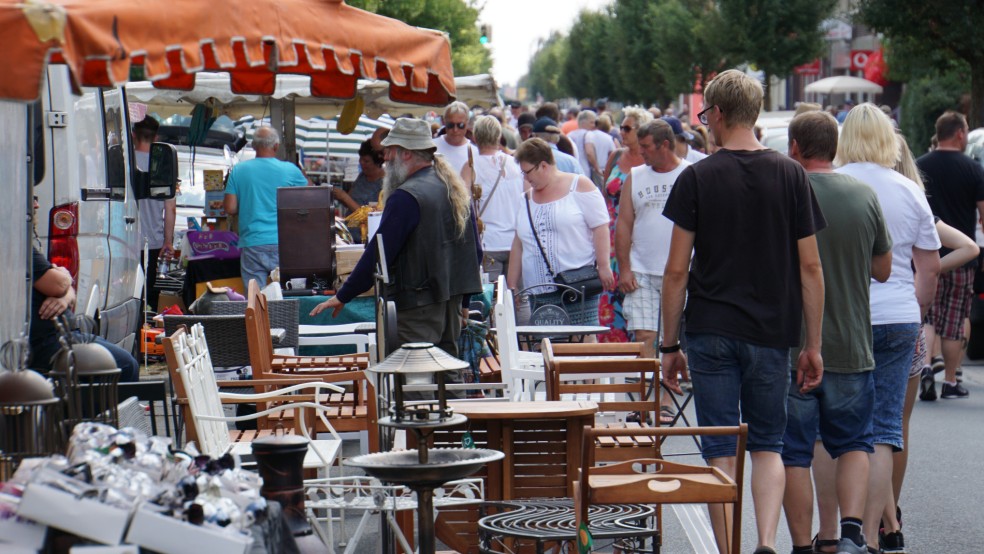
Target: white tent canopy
[
  {"x": 843, "y": 84},
  {"x": 474, "y": 90}
]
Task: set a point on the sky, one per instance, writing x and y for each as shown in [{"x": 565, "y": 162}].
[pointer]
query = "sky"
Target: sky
[{"x": 517, "y": 26}]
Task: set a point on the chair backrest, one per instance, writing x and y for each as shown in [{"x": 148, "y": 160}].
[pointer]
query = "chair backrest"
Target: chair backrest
[
  {"x": 505, "y": 326},
  {"x": 188, "y": 353},
  {"x": 225, "y": 334},
  {"x": 258, "y": 332},
  {"x": 283, "y": 314},
  {"x": 618, "y": 383}
]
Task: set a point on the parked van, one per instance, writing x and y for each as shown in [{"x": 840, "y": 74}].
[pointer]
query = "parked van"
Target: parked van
[{"x": 88, "y": 194}]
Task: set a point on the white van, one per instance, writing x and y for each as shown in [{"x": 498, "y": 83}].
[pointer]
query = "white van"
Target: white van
[{"x": 87, "y": 220}]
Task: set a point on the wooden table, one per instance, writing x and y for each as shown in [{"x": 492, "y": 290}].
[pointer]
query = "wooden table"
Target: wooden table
[{"x": 542, "y": 446}]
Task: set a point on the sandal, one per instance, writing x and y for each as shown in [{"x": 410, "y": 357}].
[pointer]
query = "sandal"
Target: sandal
[
  {"x": 667, "y": 415},
  {"x": 819, "y": 544}
]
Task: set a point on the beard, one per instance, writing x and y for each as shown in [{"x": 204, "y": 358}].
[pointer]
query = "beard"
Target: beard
[{"x": 396, "y": 175}]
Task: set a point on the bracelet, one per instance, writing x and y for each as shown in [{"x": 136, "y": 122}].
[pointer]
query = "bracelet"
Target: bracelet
[{"x": 669, "y": 349}]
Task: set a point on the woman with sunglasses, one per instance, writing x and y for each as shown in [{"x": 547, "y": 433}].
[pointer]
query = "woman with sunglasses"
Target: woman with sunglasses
[
  {"x": 561, "y": 225},
  {"x": 620, "y": 163}
]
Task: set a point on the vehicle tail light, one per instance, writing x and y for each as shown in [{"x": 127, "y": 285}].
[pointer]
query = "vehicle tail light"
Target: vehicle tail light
[{"x": 63, "y": 244}]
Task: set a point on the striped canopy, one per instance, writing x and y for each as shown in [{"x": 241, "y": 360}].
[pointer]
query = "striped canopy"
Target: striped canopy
[{"x": 318, "y": 137}]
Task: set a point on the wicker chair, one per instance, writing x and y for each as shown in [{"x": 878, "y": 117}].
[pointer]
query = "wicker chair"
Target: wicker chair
[
  {"x": 284, "y": 314},
  {"x": 225, "y": 336}
]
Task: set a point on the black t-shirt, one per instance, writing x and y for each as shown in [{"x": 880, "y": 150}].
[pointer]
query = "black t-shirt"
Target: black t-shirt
[
  {"x": 747, "y": 209},
  {"x": 43, "y": 334},
  {"x": 954, "y": 186}
]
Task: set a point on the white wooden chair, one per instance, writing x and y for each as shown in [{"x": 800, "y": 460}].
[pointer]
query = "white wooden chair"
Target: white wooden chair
[
  {"x": 188, "y": 351},
  {"x": 521, "y": 370},
  {"x": 362, "y": 343}
]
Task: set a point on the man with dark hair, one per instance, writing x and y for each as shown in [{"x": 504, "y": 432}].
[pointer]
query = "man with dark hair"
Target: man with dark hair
[
  {"x": 854, "y": 248},
  {"x": 156, "y": 217},
  {"x": 955, "y": 188},
  {"x": 745, "y": 299}
]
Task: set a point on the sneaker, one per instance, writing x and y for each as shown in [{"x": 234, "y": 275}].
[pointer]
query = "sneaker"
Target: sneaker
[
  {"x": 765, "y": 550},
  {"x": 820, "y": 546},
  {"x": 953, "y": 391},
  {"x": 892, "y": 543},
  {"x": 927, "y": 385},
  {"x": 847, "y": 546}
]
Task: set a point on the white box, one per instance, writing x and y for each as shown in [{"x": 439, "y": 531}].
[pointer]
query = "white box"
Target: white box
[
  {"x": 89, "y": 519},
  {"x": 26, "y": 534},
  {"x": 168, "y": 535}
]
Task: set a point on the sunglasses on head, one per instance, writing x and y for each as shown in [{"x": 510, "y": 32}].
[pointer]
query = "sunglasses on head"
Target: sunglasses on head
[{"x": 454, "y": 125}]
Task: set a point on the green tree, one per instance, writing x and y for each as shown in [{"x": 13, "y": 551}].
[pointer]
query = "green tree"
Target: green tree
[
  {"x": 587, "y": 71},
  {"x": 776, "y": 35},
  {"x": 950, "y": 31},
  {"x": 457, "y": 18},
  {"x": 546, "y": 68}
]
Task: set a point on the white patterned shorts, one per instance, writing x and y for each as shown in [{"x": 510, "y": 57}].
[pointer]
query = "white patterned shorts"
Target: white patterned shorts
[{"x": 641, "y": 306}]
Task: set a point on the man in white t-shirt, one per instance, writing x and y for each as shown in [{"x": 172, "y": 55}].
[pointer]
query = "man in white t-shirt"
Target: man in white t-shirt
[
  {"x": 642, "y": 237},
  {"x": 454, "y": 145}
]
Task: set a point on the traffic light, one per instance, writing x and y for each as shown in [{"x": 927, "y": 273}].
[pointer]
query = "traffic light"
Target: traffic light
[{"x": 486, "y": 31}]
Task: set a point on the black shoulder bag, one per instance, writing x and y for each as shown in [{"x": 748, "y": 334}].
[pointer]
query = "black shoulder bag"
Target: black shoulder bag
[{"x": 584, "y": 278}]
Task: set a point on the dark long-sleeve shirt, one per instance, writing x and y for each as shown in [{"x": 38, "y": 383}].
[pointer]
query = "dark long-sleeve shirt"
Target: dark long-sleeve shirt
[{"x": 400, "y": 217}]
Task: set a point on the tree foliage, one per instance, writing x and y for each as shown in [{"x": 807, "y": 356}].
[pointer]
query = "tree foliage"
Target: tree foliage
[
  {"x": 457, "y": 18},
  {"x": 776, "y": 35},
  {"x": 546, "y": 68},
  {"x": 935, "y": 30}
]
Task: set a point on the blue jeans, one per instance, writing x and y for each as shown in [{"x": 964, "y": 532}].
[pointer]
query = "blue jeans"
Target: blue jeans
[
  {"x": 842, "y": 409},
  {"x": 256, "y": 262},
  {"x": 129, "y": 368},
  {"x": 893, "y": 347},
  {"x": 736, "y": 381}
]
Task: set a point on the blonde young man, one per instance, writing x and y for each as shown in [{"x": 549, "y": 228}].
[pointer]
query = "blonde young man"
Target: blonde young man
[{"x": 747, "y": 217}]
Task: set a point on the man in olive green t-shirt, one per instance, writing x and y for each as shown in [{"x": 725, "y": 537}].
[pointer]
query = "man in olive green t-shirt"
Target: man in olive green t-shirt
[{"x": 854, "y": 248}]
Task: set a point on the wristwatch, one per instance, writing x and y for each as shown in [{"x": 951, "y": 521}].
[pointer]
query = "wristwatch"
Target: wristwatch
[{"x": 669, "y": 349}]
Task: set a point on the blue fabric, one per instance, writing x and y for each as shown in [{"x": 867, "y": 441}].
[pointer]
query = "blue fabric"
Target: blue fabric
[
  {"x": 894, "y": 345},
  {"x": 736, "y": 381},
  {"x": 256, "y": 262},
  {"x": 254, "y": 183},
  {"x": 565, "y": 162},
  {"x": 841, "y": 407}
]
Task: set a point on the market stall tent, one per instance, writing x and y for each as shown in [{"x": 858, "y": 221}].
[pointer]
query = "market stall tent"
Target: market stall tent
[
  {"x": 843, "y": 84},
  {"x": 335, "y": 44}
]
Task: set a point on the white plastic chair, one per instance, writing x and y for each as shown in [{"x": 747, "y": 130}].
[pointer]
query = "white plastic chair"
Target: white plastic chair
[{"x": 521, "y": 370}]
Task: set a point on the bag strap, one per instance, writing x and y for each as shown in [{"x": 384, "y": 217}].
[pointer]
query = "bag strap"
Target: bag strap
[
  {"x": 529, "y": 213},
  {"x": 502, "y": 172}
]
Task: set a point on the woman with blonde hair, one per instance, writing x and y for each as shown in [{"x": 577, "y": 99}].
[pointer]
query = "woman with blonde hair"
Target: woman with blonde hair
[{"x": 868, "y": 150}]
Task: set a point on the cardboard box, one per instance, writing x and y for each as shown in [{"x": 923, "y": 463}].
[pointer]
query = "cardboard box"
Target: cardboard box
[
  {"x": 168, "y": 535},
  {"x": 166, "y": 300},
  {"x": 24, "y": 534},
  {"x": 346, "y": 257},
  {"x": 89, "y": 519},
  {"x": 214, "y": 179}
]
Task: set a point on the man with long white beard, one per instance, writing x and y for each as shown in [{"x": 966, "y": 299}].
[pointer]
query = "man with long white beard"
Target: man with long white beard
[{"x": 432, "y": 250}]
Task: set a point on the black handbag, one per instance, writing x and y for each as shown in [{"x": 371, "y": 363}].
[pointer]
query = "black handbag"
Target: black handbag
[{"x": 584, "y": 279}]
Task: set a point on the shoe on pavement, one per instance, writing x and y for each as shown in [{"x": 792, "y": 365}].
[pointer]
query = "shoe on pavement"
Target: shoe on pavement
[
  {"x": 765, "y": 550},
  {"x": 820, "y": 545},
  {"x": 847, "y": 546},
  {"x": 893, "y": 543},
  {"x": 953, "y": 391},
  {"x": 927, "y": 385}
]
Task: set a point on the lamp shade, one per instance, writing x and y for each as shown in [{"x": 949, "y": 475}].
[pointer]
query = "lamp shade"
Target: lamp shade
[{"x": 419, "y": 357}]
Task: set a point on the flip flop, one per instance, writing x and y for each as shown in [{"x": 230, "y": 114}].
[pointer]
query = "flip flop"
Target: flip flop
[{"x": 666, "y": 415}]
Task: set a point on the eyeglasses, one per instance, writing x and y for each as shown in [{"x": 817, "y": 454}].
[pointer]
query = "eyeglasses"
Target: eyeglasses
[
  {"x": 702, "y": 116},
  {"x": 627, "y": 128},
  {"x": 530, "y": 170},
  {"x": 453, "y": 125}
]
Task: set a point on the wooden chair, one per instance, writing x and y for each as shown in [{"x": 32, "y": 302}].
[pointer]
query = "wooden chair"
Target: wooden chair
[
  {"x": 615, "y": 376},
  {"x": 520, "y": 370},
  {"x": 355, "y": 410},
  {"x": 653, "y": 480},
  {"x": 190, "y": 365}
]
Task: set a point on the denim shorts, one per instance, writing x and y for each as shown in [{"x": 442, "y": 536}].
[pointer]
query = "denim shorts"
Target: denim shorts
[
  {"x": 894, "y": 344},
  {"x": 256, "y": 262},
  {"x": 736, "y": 381},
  {"x": 840, "y": 407}
]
